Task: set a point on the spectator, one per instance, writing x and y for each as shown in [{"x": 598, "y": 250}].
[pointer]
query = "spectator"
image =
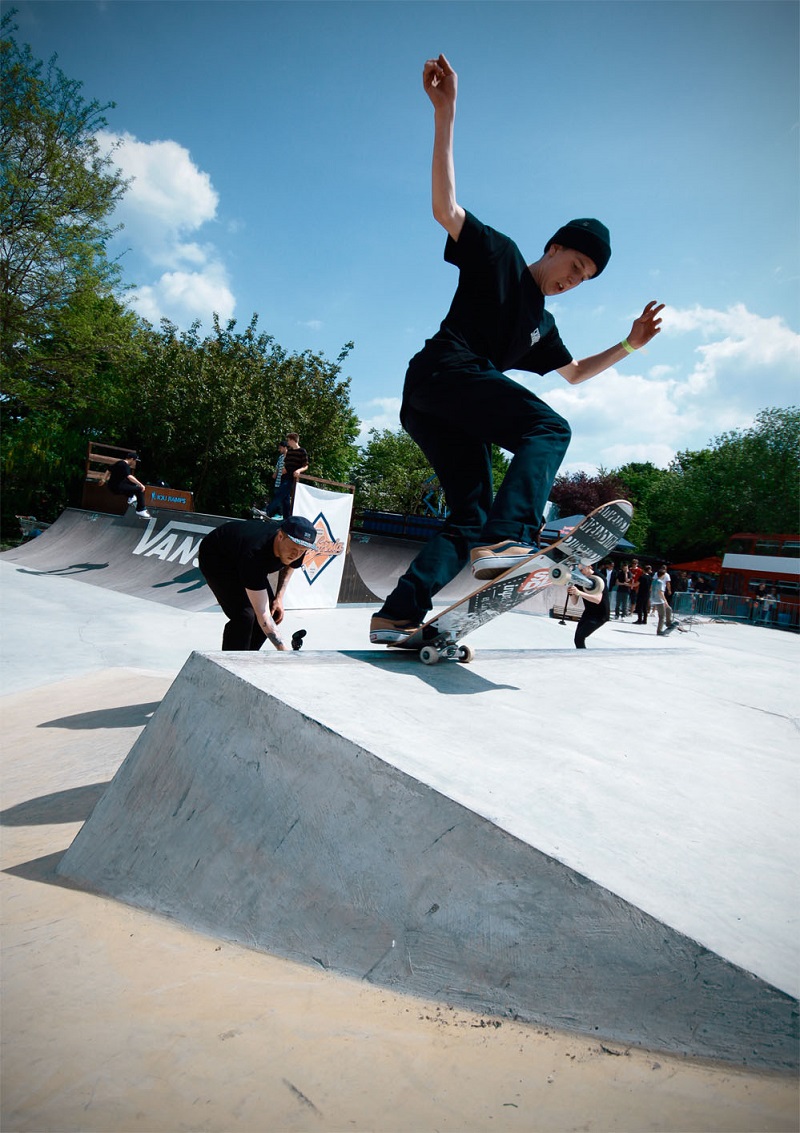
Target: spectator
[
  {"x": 643, "y": 596},
  {"x": 623, "y": 582}
]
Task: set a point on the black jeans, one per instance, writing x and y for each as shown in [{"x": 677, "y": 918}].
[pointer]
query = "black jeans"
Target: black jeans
[
  {"x": 455, "y": 417},
  {"x": 128, "y": 490},
  {"x": 242, "y": 630},
  {"x": 281, "y": 502},
  {"x": 585, "y": 628}
]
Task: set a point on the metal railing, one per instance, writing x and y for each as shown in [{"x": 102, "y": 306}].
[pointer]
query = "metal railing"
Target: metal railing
[{"x": 735, "y": 608}]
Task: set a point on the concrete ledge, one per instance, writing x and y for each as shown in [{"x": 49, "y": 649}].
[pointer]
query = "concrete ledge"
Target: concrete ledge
[{"x": 248, "y": 819}]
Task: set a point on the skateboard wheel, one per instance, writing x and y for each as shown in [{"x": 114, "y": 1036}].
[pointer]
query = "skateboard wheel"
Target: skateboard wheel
[
  {"x": 428, "y": 655},
  {"x": 466, "y": 654},
  {"x": 560, "y": 574}
]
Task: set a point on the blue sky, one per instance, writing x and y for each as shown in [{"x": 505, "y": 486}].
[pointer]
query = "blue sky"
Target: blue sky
[{"x": 281, "y": 156}]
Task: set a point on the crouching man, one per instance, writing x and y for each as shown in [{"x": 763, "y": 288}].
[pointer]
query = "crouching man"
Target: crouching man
[{"x": 236, "y": 560}]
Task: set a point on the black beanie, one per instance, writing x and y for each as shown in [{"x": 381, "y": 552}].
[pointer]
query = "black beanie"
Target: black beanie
[{"x": 588, "y": 236}]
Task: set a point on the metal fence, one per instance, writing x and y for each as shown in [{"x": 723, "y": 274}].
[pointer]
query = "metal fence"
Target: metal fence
[{"x": 734, "y": 608}]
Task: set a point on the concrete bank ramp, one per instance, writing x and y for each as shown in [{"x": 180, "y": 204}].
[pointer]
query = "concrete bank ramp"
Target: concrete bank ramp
[{"x": 363, "y": 813}]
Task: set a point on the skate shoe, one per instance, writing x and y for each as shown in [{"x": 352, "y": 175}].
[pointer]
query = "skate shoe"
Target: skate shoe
[
  {"x": 489, "y": 562},
  {"x": 388, "y": 631}
]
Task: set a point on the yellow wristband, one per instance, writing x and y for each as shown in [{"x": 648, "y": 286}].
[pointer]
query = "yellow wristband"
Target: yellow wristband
[{"x": 626, "y": 346}]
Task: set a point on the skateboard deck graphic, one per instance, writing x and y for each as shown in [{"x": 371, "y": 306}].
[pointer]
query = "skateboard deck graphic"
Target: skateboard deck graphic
[{"x": 591, "y": 540}]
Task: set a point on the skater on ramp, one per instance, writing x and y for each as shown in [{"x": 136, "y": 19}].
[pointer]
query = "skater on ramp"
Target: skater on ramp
[
  {"x": 457, "y": 401},
  {"x": 122, "y": 482},
  {"x": 236, "y": 560}
]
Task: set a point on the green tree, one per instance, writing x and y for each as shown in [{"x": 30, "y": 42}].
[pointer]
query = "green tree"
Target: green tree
[
  {"x": 210, "y": 411},
  {"x": 57, "y": 191},
  {"x": 639, "y": 480},
  {"x": 392, "y": 473},
  {"x": 747, "y": 481},
  {"x": 66, "y": 341}
]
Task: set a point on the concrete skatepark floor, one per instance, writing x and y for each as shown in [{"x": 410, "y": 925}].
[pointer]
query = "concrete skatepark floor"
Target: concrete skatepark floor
[{"x": 115, "y": 1019}]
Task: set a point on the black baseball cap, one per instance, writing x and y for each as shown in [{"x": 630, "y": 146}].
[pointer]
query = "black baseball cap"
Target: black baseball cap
[
  {"x": 300, "y": 531},
  {"x": 133, "y": 456}
]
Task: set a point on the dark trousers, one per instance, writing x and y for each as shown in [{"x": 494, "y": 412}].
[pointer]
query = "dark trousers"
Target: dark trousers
[
  {"x": 281, "y": 502},
  {"x": 128, "y": 490},
  {"x": 586, "y": 627},
  {"x": 455, "y": 417},
  {"x": 242, "y": 630}
]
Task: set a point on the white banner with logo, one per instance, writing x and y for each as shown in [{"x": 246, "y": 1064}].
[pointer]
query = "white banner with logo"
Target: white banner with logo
[{"x": 316, "y": 584}]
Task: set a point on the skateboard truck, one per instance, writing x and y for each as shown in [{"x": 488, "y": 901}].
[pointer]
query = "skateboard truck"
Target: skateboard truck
[
  {"x": 568, "y": 572},
  {"x": 433, "y": 653}
]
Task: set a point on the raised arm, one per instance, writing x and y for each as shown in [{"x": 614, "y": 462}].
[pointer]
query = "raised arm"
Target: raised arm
[
  {"x": 646, "y": 327},
  {"x": 441, "y": 86}
]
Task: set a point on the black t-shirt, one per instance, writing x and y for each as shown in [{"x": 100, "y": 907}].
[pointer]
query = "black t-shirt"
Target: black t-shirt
[
  {"x": 244, "y": 549},
  {"x": 497, "y": 313},
  {"x": 118, "y": 476},
  {"x": 597, "y": 611}
]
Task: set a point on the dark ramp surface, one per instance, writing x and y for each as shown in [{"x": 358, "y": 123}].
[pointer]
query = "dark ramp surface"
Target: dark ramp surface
[
  {"x": 380, "y": 560},
  {"x": 157, "y": 558},
  {"x": 148, "y": 558}
]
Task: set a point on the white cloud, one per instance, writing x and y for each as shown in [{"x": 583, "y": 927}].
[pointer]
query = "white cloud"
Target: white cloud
[
  {"x": 168, "y": 201},
  {"x": 740, "y": 348},
  {"x": 385, "y": 415},
  {"x": 736, "y": 364},
  {"x": 185, "y": 295}
]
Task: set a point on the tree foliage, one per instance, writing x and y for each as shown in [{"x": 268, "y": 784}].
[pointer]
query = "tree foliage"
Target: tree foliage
[
  {"x": 65, "y": 339},
  {"x": 57, "y": 192},
  {"x": 746, "y": 481},
  {"x": 577, "y": 493},
  {"x": 392, "y": 473},
  {"x": 209, "y": 413}
]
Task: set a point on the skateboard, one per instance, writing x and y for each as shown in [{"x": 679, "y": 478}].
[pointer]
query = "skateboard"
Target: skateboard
[
  {"x": 674, "y": 624},
  {"x": 592, "y": 539}
]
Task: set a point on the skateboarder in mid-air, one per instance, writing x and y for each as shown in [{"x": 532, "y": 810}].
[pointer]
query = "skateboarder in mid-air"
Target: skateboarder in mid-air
[{"x": 457, "y": 401}]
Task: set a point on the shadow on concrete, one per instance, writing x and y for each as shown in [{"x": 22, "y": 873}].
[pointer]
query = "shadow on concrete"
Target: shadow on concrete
[
  {"x": 72, "y": 805},
  {"x": 75, "y": 568},
  {"x": 44, "y": 870},
  {"x": 126, "y": 716},
  {"x": 191, "y": 580},
  {"x": 448, "y": 677}
]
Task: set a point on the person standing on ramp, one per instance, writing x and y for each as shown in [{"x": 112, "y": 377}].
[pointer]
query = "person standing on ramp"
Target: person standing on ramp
[{"x": 458, "y": 402}]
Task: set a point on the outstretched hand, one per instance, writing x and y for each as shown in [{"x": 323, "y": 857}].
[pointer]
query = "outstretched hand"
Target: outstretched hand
[
  {"x": 647, "y": 326},
  {"x": 440, "y": 82}
]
